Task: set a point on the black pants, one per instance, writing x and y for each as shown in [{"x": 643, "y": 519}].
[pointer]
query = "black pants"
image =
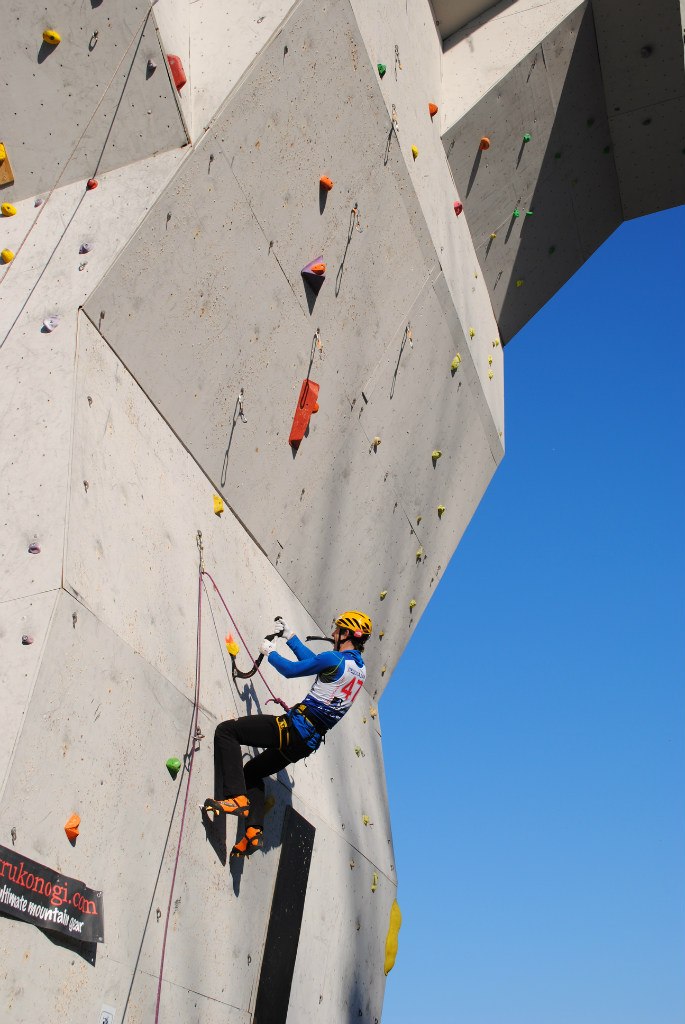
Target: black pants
[{"x": 283, "y": 746}]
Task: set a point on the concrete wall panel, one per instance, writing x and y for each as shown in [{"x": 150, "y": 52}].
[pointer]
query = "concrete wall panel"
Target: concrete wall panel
[
  {"x": 341, "y": 911},
  {"x": 486, "y": 50},
  {"x": 225, "y": 36},
  {"x": 409, "y": 89},
  {"x": 88, "y": 105},
  {"x": 563, "y": 181},
  {"x": 25, "y": 617},
  {"x": 50, "y": 277}
]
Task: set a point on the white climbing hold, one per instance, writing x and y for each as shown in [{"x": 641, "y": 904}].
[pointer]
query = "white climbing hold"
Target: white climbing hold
[{"x": 50, "y": 323}]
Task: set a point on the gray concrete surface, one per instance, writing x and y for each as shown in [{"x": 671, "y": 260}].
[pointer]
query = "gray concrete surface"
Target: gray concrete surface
[{"x": 119, "y": 426}]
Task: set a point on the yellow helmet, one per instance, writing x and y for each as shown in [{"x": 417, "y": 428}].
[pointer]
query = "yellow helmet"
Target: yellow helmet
[{"x": 358, "y": 623}]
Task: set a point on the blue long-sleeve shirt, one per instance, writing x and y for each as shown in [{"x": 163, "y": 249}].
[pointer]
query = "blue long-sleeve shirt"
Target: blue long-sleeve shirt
[{"x": 339, "y": 675}]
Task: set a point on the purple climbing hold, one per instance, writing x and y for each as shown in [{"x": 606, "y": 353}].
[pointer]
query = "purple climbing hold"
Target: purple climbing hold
[
  {"x": 27, "y": 639},
  {"x": 34, "y": 548}
]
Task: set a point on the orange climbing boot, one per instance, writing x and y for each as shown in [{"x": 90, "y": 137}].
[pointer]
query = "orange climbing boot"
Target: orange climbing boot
[
  {"x": 232, "y": 805},
  {"x": 251, "y": 841}
]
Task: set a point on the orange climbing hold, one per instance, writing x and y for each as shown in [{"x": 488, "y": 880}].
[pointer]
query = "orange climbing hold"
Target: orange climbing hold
[
  {"x": 177, "y": 72},
  {"x": 432, "y": 109},
  {"x": 325, "y": 183},
  {"x": 307, "y": 405},
  {"x": 319, "y": 269},
  {"x": 485, "y": 142},
  {"x": 71, "y": 828}
]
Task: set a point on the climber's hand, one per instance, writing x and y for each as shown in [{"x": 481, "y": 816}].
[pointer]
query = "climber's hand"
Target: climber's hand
[
  {"x": 266, "y": 647},
  {"x": 286, "y": 632}
]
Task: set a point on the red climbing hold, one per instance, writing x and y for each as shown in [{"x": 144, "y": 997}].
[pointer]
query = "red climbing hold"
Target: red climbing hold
[
  {"x": 432, "y": 109},
  {"x": 91, "y": 184},
  {"x": 177, "y": 72},
  {"x": 458, "y": 208},
  {"x": 484, "y": 143},
  {"x": 307, "y": 405}
]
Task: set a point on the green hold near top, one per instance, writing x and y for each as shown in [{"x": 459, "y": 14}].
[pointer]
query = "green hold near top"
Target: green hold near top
[
  {"x": 517, "y": 212},
  {"x": 173, "y": 766},
  {"x": 527, "y": 137},
  {"x": 382, "y": 69},
  {"x": 529, "y": 213}
]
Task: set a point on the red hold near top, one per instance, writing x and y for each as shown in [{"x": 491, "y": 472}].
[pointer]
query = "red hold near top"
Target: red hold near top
[
  {"x": 177, "y": 72},
  {"x": 458, "y": 208}
]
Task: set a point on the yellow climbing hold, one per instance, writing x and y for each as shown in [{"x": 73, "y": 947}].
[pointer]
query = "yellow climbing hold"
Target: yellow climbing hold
[
  {"x": 419, "y": 554},
  {"x": 384, "y": 669},
  {"x": 383, "y": 595},
  {"x": 493, "y": 234},
  {"x": 374, "y": 444},
  {"x": 489, "y": 360},
  {"x": 232, "y": 647},
  {"x": 392, "y": 937},
  {"x": 490, "y": 375},
  {"x": 472, "y": 332},
  {"x": 373, "y": 712},
  {"x": 418, "y": 519},
  {"x": 8, "y": 210},
  {"x": 381, "y": 634},
  {"x": 495, "y": 343},
  {"x": 414, "y": 152},
  {"x": 218, "y": 505},
  {"x": 437, "y": 454},
  {"x": 51, "y": 37},
  {"x": 3, "y": 152},
  {"x": 441, "y": 510},
  {"x": 374, "y": 883},
  {"x": 412, "y": 604},
  {"x": 456, "y": 361},
  {"x": 6, "y": 255},
  {"x": 359, "y": 752},
  {"x": 366, "y": 820},
  {"x": 519, "y": 283}
]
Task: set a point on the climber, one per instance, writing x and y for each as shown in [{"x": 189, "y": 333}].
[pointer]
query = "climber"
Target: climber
[{"x": 340, "y": 675}]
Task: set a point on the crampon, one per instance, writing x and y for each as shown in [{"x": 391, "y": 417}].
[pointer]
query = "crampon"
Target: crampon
[
  {"x": 239, "y": 805},
  {"x": 252, "y": 840}
]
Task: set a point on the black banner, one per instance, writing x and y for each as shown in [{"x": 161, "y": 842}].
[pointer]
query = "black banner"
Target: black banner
[{"x": 35, "y": 893}]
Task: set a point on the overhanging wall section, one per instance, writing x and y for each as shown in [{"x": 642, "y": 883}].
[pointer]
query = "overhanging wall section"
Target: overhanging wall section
[{"x": 538, "y": 208}]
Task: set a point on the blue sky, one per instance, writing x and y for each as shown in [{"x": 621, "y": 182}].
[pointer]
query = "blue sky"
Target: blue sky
[{"x": 534, "y": 731}]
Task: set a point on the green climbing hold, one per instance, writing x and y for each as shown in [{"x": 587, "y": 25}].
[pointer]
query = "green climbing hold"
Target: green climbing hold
[
  {"x": 529, "y": 213},
  {"x": 557, "y": 156},
  {"x": 382, "y": 69},
  {"x": 527, "y": 137},
  {"x": 551, "y": 249},
  {"x": 173, "y": 766},
  {"x": 517, "y": 212},
  {"x": 607, "y": 149}
]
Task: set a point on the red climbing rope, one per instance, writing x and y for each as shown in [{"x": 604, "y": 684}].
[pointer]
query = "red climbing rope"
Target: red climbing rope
[
  {"x": 274, "y": 699},
  {"x": 188, "y": 760}
]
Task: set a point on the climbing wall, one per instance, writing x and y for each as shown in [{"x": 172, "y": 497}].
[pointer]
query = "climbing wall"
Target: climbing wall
[
  {"x": 544, "y": 194},
  {"x": 167, "y": 173}
]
